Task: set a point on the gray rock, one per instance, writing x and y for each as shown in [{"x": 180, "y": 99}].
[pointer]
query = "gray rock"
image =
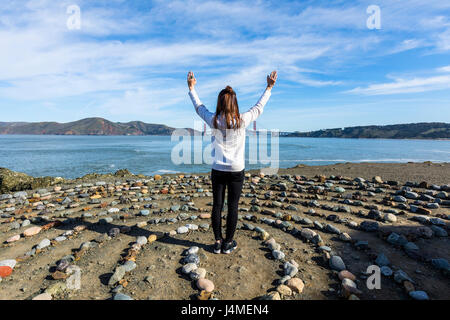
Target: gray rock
[
  {"x": 44, "y": 243},
  {"x": 382, "y": 260},
  {"x": 419, "y": 295},
  {"x": 400, "y": 276},
  {"x": 278, "y": 255},
  {"x": 440, "y": 263},
  {"x": 332, "y": 229},
  {"x": 386, "y": 271},
  {"x": 410, "y": 246},
  {"x": 119, "y": 273},
  {"x": 129, "y": 265},
  {"x": 400, "y": 199},
  {"x": 336, "y": 263},
  {"x": 121, "y": 296},
  {"x": 191, "y": 258},
  {"x": 198, "y": 273},
  {"x": 187, "y": 268},
  {"x": 141, "y": 240},
  {"x": 439, "y": 232},
  {"x": 290, "y": 269},
  {"x": 182, "y": 229}
]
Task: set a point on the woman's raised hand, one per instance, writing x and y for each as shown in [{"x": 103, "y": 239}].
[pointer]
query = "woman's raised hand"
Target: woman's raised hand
[
  {"x": 271, "y": 79},
  {"x": 191, "y": 81}
]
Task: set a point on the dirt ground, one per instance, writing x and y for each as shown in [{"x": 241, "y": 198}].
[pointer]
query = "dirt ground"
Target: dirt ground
[{"x": 250, "y": 271}]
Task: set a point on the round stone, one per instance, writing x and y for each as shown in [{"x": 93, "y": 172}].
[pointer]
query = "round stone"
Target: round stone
[
  {"x": 32, "y": 231},
  {"x": 43, "y": 244},
  {"x": 193, "y": 250},
  {"x": 307, "y": 233},
  {"x": 345, "y": 274},
  {"x": 192, "y": 258},
  {"x": 62, "y": 265},
  {"x": 386, "y": 271},
  {"x": 295, "y": 284},
  {"x": 129, "y": 265},
  {"x": 389, "y": 217},
  {"x": 188, "y": 268},
  {"x": 419, "y": 295},
  {"x": 13, "y": 238},
  {"x": 141, "y": 240},
  {"x": 336, "y": 263},
  {"x": 121, "y": 296},
  {"x": 205, "y": 284},
  {"x": 60, "y": 238},
  {"x": 182, "y": 229},
  {"x": 114, "y": 232},
  {"x": 277, "y": 254},
  {"x": 290, "y": 269},
  {"x": 26, "y": 223},
  {"x": 5, "y": 271},
  {"x": 152, "y": 238},
  {"x": 197, "y": 274},
  {"x": 284, "y": 290},
  {"x": 192, "y": 226}
]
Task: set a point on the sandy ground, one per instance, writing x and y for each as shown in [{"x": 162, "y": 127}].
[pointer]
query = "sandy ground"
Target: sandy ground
[{"x": 250, "y": 271}]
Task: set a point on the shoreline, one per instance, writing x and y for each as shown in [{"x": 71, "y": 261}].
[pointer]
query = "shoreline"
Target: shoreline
[
  {"x": 168, "y": 135},
  {"x": 431, "y": 172}
]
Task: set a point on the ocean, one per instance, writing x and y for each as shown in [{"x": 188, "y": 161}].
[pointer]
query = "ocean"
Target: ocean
[{"x": 75, "y": 156}]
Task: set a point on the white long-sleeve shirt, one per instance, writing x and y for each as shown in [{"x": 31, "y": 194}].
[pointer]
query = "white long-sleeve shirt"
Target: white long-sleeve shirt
[{"x": 228, "y": 145}]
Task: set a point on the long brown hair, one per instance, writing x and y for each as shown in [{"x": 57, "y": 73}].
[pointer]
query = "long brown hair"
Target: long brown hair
[{"x": 227, "y": 106}]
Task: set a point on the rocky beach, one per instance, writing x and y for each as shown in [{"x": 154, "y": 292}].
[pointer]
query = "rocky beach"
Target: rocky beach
[{"x": 309, "y": 232}]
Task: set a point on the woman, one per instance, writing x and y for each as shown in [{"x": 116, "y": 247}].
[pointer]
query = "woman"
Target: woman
[{"x": 228, "y": 144}]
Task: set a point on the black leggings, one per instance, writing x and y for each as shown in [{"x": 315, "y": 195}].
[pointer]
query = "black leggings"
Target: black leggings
[{"x": 233, "y": 181}]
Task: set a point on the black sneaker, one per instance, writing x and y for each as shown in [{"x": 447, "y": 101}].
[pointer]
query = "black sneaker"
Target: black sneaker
[
  {"x": 217, "y": 247},
  {"x": 229, "y": 246}
]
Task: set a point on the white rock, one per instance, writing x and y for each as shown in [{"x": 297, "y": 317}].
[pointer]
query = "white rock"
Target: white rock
[
  {"x": 8, "y": 263},
  {"x": 182, "y": 229}
]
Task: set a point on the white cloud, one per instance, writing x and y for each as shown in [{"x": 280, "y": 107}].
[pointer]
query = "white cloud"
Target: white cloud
[
  {"x": 399, "y": 86},
  {"x": 444, "y": 69}
]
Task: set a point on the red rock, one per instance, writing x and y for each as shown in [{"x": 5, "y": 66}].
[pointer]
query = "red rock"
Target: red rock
[
  {"x": 345, "y": 274},
  {"x": 51, "y": 225},
  {"x": 5, "y": 271},
  {"x": 32, "y": 231},
  {"x": 13, "y": 238},
  {"x": 205, "y": 215},
  {"x": 205, "y": 284}
]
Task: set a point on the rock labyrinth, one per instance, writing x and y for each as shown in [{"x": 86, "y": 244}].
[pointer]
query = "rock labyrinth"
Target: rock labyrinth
[{"x": 320, "y": 234}]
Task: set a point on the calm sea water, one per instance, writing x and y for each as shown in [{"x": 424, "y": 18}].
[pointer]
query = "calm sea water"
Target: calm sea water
[{"x": 74, "y": 156}]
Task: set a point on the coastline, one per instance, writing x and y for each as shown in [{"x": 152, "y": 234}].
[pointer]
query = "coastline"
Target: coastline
[{"x": 430, "y": 172}]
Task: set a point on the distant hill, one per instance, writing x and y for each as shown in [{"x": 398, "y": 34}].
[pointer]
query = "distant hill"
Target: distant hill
[
  {"x": 424, "y": 130},
  {"x": 88, "y": 126}
]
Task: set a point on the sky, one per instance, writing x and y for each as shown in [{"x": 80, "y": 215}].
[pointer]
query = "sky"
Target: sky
[{"x": 128, "y": 60}]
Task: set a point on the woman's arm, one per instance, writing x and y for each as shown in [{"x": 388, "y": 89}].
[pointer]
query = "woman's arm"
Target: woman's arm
[
  {"x": 200, "y": 108},
  {"x": 254, "y": 112}
]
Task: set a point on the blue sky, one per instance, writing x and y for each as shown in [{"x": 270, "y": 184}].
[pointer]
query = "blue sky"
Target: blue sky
[{"x": 129, "y": 60}]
